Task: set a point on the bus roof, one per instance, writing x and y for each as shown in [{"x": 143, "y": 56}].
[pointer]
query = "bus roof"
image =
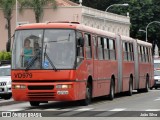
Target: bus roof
[
  {"x": 144, "y": 43},
  {"x": 76, "y": 25},
  {"x": 126, "y": 38},
  {"x": 67, "y": 25}
]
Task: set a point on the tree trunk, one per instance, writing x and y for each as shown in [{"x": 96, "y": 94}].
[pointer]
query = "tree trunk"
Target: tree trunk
[
  {"x": 37, "y": 18},
  {"x": 8, "y": 45}
]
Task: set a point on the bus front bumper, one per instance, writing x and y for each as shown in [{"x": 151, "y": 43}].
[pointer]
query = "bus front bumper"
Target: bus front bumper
[{"x": 45, "y": 91}]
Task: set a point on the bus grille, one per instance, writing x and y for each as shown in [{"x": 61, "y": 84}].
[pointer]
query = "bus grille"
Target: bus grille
[
  {"x": 41, "y": 87},
  {"x": 2, "y": 83},
  {"x": 41, "y": 94}
]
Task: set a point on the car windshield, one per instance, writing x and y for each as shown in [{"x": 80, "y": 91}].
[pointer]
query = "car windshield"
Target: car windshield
[
  {"x": 44, "y": 49},
  {"x": 5, "y": 71}
]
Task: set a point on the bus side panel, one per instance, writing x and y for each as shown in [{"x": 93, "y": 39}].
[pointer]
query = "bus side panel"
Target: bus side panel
[
  {"x": 128, "y": 69},
  {"x": 144, "y": 69},
  {"x": 105, "y": 71}
]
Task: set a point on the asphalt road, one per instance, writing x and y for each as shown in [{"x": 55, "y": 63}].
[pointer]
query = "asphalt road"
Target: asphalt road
[{"x": 140, "y": 105}]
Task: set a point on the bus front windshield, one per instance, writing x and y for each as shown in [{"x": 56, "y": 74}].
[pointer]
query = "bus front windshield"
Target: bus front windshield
[{"x": 44, "y": 49}]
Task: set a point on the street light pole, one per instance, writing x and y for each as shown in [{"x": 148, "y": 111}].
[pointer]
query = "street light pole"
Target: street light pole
[
  {"x": 125, "y": 4},
  {"x": 148, "y": 26}
]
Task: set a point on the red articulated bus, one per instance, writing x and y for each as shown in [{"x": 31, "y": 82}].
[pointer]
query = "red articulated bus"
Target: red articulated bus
[{"x": 70, "y": 61}]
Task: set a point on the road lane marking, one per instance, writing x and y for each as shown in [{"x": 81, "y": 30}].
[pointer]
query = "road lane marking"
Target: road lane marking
[
  {"x": 84, "y": 109},
  {"x": 14, "y": 110},
  {"x": 152, "y": 110},
  {"x": 118, "y": 109},
  {"x": 157, "y": 99},
  {"x": 58, "y": 109}
]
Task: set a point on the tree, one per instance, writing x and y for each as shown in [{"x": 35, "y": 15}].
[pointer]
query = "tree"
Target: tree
[
  {"x": 37, "y": 6},
  {"x": 7, "y": 7}
]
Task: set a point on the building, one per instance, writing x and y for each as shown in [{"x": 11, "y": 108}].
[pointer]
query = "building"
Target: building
[{"x": 68, "y": 11}]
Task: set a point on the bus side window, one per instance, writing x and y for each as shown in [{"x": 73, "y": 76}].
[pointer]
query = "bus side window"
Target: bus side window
[
  {"x": 132, "y": 53},
  {"x": 139, "y": 53},
  {"x": 100, "y": 48},
  {"x": 88, "y": 46},
  {"x": 106, "y": 49},
  {"x": 148, "y": 56},
  {"x": 112, "y": 49},
  {"x": 95, "y": 47},
  {"x": 141, "y": 48},
  {"x": 80, "y": 53}
]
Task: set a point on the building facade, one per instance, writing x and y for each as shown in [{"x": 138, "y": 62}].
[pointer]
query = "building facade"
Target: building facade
[{"x": 68, "y": 11}]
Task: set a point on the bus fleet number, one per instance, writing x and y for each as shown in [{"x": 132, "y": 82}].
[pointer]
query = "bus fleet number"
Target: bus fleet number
[{"x": 23, "y": 75}]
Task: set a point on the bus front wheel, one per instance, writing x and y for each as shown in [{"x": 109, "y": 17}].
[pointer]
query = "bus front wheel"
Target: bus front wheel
[
  {"x": 34, "y": 103},
  {"x": 88, "y": 96}
]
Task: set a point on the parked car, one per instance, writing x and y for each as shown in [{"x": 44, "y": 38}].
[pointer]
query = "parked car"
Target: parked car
[
  {"x": 156, "y": 78},
  {"x": 156, "y": 73},
  {"x": 5, "y": 82}
]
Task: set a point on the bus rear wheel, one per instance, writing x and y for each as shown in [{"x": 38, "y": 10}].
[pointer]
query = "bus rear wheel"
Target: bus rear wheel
[
  {"x": 147, "y": 85},
  {"x": 130, "y": 91},
  {"x": 112, "y": 90},
  {"x": 88, "y": 96},
  {"x": 34, "y": 103}
]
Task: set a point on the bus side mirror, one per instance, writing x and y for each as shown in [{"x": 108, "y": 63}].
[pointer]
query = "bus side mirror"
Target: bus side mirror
[{"x": 81, "y": 42}]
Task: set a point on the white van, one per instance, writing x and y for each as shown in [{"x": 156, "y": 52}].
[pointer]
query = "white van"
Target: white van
[
  {"x": 5, "y": 82},
  {"x": 156, "y": 73}
]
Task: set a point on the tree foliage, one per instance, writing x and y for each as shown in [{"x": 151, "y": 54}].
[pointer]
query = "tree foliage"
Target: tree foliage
[{"x": 7, "y": 7}]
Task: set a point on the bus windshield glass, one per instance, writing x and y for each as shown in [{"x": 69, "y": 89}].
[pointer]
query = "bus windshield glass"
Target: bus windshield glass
[{"x": 44, "y": 49}]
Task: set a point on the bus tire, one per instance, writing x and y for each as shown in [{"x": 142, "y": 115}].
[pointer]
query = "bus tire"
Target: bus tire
[
  {"x": 88, "y": 95},
  {"x": 112, "y": 90},
  {"x": 130, "y": 91},
  {"x": 34, "y": 103},
  {"x": 147, "y": 85}
]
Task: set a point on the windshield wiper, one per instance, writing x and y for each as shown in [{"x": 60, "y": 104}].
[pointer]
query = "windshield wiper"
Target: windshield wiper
[
  {"x": 33, "y": 60},
  {"x": 46, "y": 56}
]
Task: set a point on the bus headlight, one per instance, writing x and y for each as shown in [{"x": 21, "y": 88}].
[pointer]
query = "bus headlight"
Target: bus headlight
[
  {"x": 19, "y": 87},
  {"x": 64, "y": 86}
]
